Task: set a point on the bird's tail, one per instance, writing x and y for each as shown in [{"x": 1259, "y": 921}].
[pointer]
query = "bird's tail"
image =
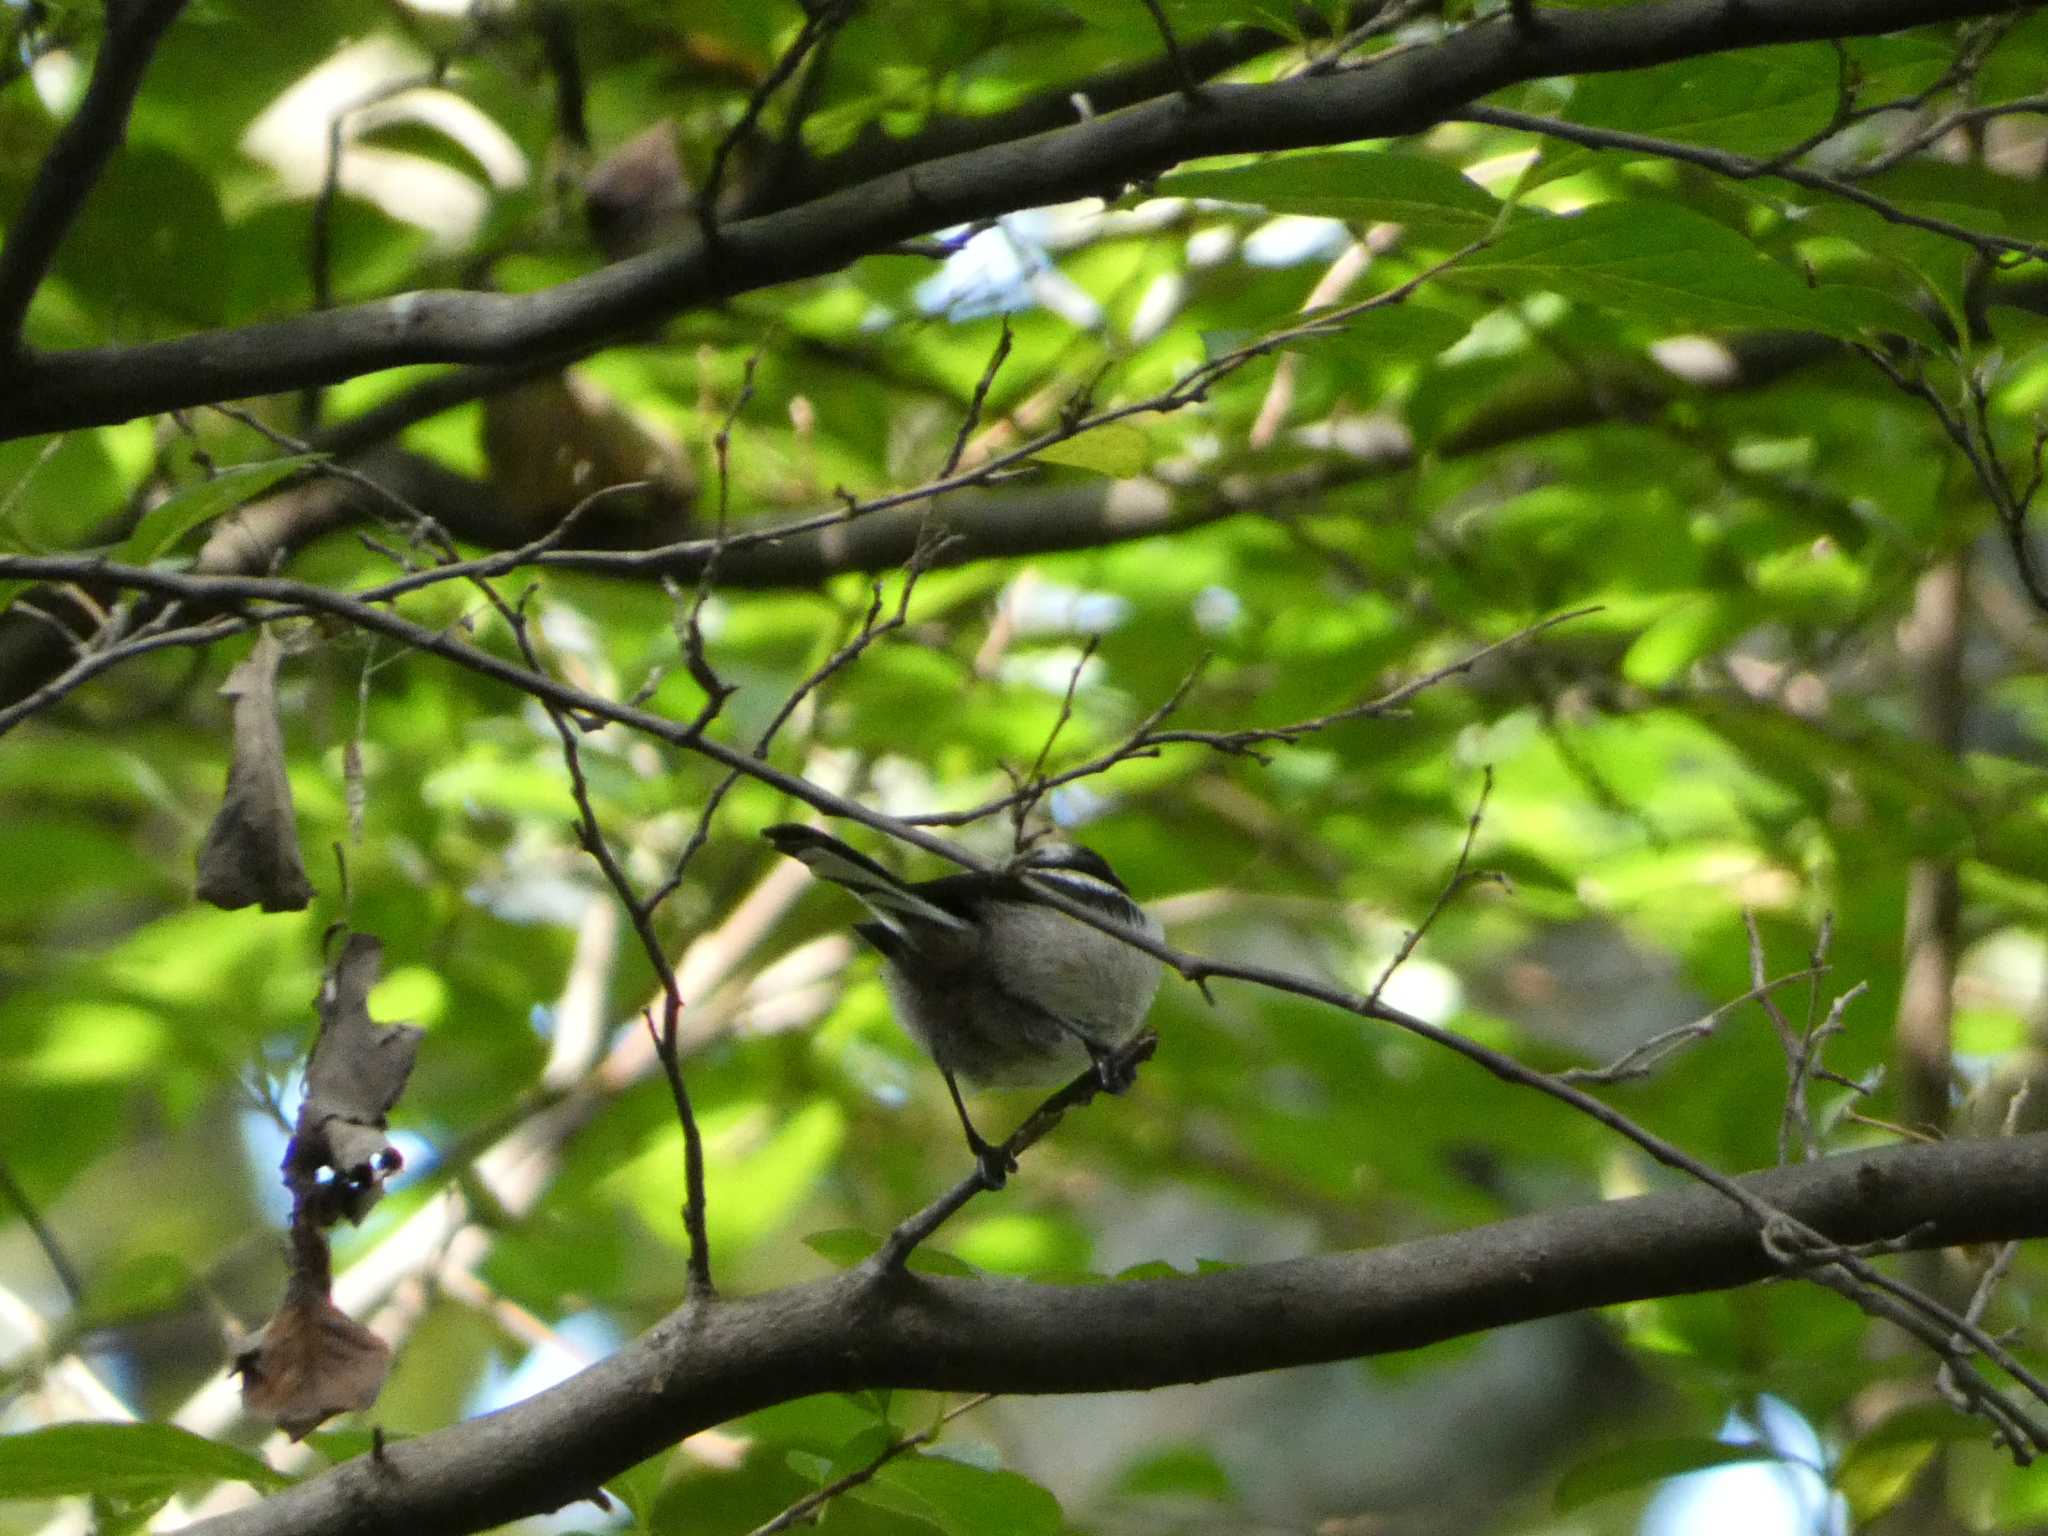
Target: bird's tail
[{"x": 882, "y": 893}]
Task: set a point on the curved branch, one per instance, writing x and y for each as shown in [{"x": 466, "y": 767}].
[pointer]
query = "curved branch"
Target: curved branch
[
  {"x": 710, "y": 1361},
  {"x": 876, "y": 153},
  {"x": 1401, "y": 95},
  {"x": 81, "y": 152}
]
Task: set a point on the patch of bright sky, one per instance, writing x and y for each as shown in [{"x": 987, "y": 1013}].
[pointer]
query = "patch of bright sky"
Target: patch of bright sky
[
  {"x": 1005, "y": 269},
  {"x": 1762, "y": 1498},
  {"x": 573, "y": 1344},
  {"x": 1009, "y": 266}
]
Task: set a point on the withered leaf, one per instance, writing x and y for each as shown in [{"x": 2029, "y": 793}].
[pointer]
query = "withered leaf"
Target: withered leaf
[
  {"x": 251, "y": 854},
  {"x": 311, "y": 1362},
  {"x": 358, "y": 1069}
]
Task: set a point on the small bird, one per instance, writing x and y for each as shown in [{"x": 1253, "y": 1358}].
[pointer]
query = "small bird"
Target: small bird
[{"x": 999, "y": 988}]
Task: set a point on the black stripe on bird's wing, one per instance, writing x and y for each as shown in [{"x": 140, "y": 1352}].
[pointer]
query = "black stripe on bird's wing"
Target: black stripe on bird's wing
[
  {"x": 1104, "y": 898},
  {"x": 881, "y": 892},
  {"x": 964, "y": 893}
]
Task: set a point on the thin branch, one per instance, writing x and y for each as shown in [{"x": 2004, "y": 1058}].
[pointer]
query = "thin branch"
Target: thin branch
[
  {"x": 1120, "y": 1064},
  {"x": 1021, "y": 811},
  {"x": 60, "y": 1263},
  {"x": 1148, "y": 737},
  {"x": 1994, "y": 1272},
  {"x": 1745, "y": 168},
  {"x": 1969, "y": 428},
  {"x": 590, "y": 833},
  {"x": 1190, "y": 388},
  {"x": 80, "y": 153},
  {"x": 802, "y": 1511},
  {"x": 1190, "y": 88},
  {"x": 112, "y": 651},
  {"x": 821, "y": 20},
  {"x": 554, "y": 23},
  {"x": 1641, "y": 1060},
  {"x": 1452, "y": 885}
]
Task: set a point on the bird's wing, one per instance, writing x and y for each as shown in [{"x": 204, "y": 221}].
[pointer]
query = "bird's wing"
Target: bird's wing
[{"x": 892, "y": 900}]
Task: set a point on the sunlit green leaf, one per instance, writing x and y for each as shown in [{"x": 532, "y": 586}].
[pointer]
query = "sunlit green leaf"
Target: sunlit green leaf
[
  {"x": 1660, "y": 262},
  {"x": 164, "y": 524},
  {"x": 962, "y": 1500},
  {"x": 1356, "y": 186},
  {"x": 1119, "y": 450},
  {"x": 126, "y": 1461}
]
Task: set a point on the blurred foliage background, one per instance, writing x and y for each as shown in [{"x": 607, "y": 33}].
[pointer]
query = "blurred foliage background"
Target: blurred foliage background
[{"x": 1811, "y": 690}]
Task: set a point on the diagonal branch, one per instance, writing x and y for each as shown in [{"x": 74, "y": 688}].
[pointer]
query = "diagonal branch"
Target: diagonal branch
[
  {"x": 73, "y": 165},
  {"x": 1400, "y": 96},
  {"x": 1745, "y": 168}
]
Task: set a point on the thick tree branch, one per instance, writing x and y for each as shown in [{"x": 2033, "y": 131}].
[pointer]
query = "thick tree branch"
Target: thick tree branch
[
  {"x": 1400, "y": 95},
  {"x": 74, "y": 163},
  {"x": 876, "y": 153},
  {"x": 708, "y": 1362}
]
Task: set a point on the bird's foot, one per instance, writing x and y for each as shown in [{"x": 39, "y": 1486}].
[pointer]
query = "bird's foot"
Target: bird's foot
[
  {"x": 994, "y": 1164},
  {"x": 1112, "y": 1071}
]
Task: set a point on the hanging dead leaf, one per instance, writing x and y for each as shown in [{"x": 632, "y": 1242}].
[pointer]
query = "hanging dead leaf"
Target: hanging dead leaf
[
  {"x": 312, "y": 1360},
  {"x": 251, "y": 853},
  {"x": 357, "y": 1071}
]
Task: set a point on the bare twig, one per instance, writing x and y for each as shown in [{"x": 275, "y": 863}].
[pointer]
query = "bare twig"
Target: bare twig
[
  {"x": 1456, "y": 882},
  {"x": 1147, "y": 738},
  {"x": 591, "y": 835},
  {"x": 1190, "y": 88},
  {"x": 60, "y": 1263},
  {"x": 1994, "y": 1272},
  {"x": 1969, "y": 428},
  {"x": 111, "y": 649},
  {"x": 554, "y": 23},
  {"x": 1641, "y": 1060},
  {"x": 1021, "y": 811},
  {"x": 820, "y": 22}
]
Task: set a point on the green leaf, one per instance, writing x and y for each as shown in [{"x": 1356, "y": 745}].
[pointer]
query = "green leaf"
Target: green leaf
[
  {"x": 1648, "y": 1461},
  {"x": 810, "y": 1466},
  {"x": 1184, "y": 1471},
  {"x": 1658, "y": 261},
  {"x": 136, "y": 1287},
  {"x": 1359, "y": 187},
  {"x": 1879, "y": 1468},
  {"x": 1755, "y": 102},
  {"x": 962, "y": 1500},
  {"x": 1696, "y": 625},
  {"x": 1118, "y": 450},
  {"x": 847, "y": 1246},
  {"x": 1396, "y": 333},
  {"x": 121, "y": 1461},
  {"x": 167, "y": 522},
  {"x": 843, "y": 1246},
  {"x": 152, "y": 238}
]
